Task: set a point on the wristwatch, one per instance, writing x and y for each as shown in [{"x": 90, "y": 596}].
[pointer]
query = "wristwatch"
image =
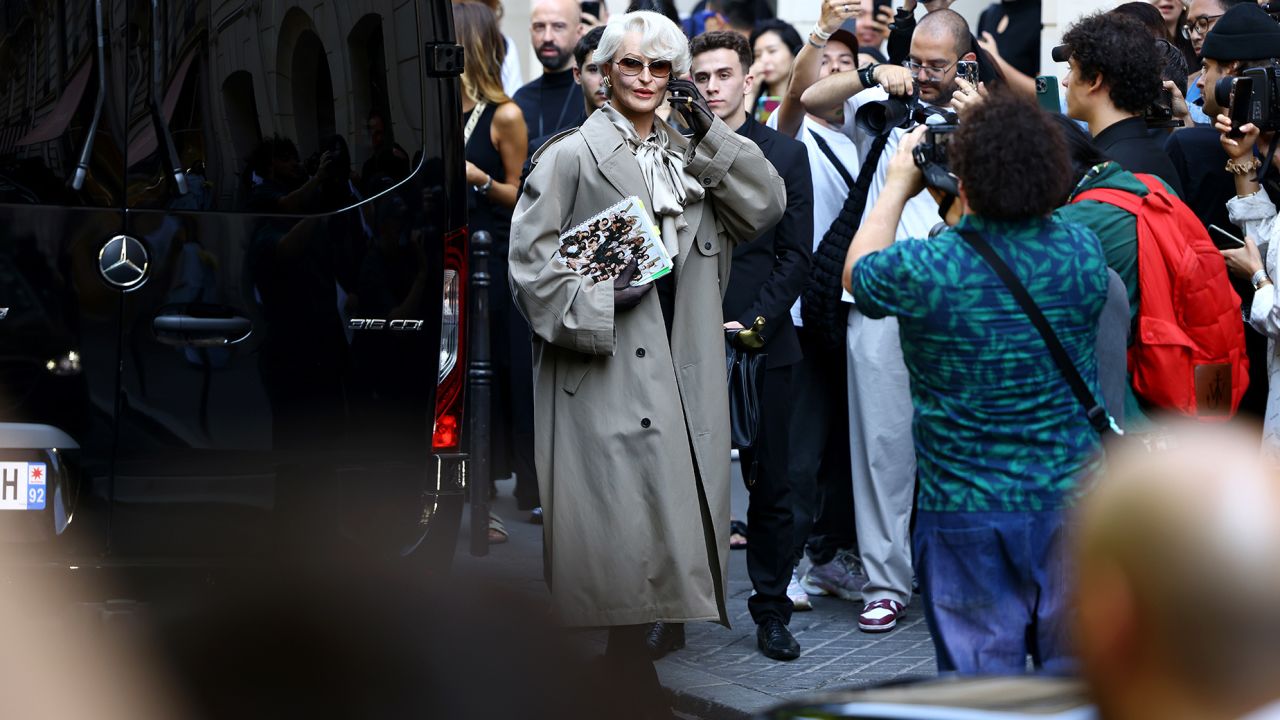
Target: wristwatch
[
  {"x": 484, "y": 189},
  {"x": 1259, "y": 278},
  {"x": 867, "y": 75}
]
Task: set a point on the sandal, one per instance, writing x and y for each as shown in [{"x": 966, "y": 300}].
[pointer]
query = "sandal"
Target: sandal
[
  {"x": 737, "y": 535},
  {"x": 497, "y": 531}
]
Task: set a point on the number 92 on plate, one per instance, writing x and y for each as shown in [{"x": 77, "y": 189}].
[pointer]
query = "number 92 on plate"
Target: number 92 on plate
[{"x": 22, "y": 485}]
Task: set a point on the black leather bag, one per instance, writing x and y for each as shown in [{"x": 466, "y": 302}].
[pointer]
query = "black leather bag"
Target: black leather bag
[
  {"x": 825, "y": 315},
  {"x": 746, "y": 390}
]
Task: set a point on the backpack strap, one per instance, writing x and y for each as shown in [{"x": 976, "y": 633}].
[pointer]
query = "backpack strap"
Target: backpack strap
[
  {"x": 1152, "y": 182},
  {"x": 1099, "y": 418},
  {"x": 1126, "y": 201}
]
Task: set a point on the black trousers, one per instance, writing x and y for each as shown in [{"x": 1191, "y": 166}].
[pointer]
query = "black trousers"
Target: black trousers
[
  {"x": 821, "y": 479},
  {"x": 770, "y": 556}
]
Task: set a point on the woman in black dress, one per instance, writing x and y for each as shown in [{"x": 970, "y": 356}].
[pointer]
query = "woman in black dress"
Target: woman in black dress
[{"x": 496, "y": 144}]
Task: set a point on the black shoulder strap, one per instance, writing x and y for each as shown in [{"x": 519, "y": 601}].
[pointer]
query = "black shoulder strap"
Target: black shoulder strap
[
  {"x": 831, "y": 155},
  {"x": 870, "y": 162},
  {"x": 1097, "y": 414}
]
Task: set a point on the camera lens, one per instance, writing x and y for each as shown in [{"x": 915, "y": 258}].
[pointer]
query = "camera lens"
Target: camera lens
[
  {"x": 882, "y": 116},
  {"x": 1222, "y": 91}
]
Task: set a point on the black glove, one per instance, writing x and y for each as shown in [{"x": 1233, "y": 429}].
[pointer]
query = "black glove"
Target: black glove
[
  {"x": 626, "y": 297},
  {"x": 693, "y": 108}
]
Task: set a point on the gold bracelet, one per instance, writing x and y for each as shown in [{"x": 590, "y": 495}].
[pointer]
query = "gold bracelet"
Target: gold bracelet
[{"x": 1243, "y": 167}]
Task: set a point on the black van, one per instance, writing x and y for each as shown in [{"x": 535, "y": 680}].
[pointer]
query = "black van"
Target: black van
[{"x": 232, "y": 274}]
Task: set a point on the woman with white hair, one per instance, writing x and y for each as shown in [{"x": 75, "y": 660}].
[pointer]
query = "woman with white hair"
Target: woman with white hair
[{"x": 630, "y": 402}]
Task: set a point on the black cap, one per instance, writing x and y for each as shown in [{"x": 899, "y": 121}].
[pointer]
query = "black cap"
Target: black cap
[
  {"x": 1245, "y": 32},
  {"x": 1061, "y": 53}
]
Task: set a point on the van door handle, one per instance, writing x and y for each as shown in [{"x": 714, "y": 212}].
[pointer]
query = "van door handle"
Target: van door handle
[{"x": 201, "y": 331}]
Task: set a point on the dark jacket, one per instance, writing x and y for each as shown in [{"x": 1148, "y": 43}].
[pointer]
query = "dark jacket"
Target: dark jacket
[
  {"x": 1129, "y": 143},
  {"x": 1200, "y": 161},
  {"x": 769, "y": 273}
]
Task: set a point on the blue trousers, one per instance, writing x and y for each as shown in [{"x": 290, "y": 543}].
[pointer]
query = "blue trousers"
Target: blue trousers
[{"x": 995, "y": 589}]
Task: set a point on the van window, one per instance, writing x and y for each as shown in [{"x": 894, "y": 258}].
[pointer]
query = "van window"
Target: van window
[
  {"x": 277, "y": 110},
  {"x": 49, "y": 87}
]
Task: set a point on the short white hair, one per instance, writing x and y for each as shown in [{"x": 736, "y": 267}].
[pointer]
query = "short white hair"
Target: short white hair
[{"x": 660, "y": 39}]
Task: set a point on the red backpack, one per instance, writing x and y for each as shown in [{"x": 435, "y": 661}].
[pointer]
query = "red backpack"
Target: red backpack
[{"x": 1188, "y": 354}]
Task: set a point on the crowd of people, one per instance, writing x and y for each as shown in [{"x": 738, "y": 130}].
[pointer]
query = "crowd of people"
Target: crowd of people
[{"x": 971, "y": 276}]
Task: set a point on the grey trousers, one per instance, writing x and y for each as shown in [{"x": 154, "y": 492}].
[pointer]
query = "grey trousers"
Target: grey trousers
[{"x": 882, "y": 454}]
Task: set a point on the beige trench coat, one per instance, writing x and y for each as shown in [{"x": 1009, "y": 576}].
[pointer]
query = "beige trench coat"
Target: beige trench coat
[{"x": 626, "y": 424}]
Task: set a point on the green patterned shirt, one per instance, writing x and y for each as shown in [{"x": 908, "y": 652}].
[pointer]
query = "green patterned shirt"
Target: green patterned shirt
[{"x": 996, "y": 426}]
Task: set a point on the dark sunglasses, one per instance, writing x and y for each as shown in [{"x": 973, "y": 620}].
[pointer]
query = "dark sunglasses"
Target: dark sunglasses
[{"x": 632, "y": 66}]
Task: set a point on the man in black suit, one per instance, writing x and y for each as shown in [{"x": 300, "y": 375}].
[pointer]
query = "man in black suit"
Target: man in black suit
[
  {"x": 767, "y": 277},
  {"x": 1115, "y": 74}
]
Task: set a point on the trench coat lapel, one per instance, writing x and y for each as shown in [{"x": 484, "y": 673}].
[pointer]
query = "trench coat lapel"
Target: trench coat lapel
[{"x": 615, "y": 160}]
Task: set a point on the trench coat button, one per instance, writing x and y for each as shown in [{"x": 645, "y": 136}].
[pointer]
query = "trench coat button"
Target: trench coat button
[
  {"x": 706, "y": 181},
  {"x": 706, "y": 246},
  {"x": 639, "y": 352},
  {"x": 644, "y": 422}
]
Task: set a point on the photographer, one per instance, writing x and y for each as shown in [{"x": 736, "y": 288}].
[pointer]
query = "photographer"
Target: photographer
[
  {"x": 883, "y": 458},
  {"x": 1244, "y": 37},
  {"x": 1251, "y": 208},
  {"x": 1114, "y": 76},
  {"x": 1000, "y": 436}
]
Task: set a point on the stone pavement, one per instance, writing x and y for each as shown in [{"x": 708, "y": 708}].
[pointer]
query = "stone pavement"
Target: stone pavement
[{"x": 720, "y": 674}]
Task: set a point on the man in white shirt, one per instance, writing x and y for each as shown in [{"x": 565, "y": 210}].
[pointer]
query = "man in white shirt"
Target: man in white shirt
[
  {"x": 880, "y": 410},
  {"x": 822, "y": 493}
]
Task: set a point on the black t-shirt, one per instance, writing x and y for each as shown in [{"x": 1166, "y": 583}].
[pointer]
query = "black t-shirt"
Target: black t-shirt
[
  {"x": 1020, "y": 41},
  {"x": 1128, "y": 143},
  {"x": 551, "y": 103}
]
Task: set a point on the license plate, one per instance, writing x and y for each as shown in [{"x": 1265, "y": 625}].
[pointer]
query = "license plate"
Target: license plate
[{"x": 22, "y": 486}]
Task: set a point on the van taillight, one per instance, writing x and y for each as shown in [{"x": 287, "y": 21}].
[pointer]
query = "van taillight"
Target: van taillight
[{"x": 447, "y": 432}]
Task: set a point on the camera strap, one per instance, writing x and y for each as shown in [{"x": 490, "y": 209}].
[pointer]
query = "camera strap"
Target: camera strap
[{"x": 1099, "y": 418}]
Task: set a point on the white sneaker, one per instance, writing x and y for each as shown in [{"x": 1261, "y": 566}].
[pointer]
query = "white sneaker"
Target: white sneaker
[{"x": 799, "y": 599}]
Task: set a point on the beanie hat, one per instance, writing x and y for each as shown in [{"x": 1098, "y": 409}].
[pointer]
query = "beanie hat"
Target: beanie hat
[{"x": 1245, "y": 32}]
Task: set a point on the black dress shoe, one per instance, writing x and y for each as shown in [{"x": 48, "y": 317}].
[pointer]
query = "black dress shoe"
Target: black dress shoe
[
  {"x": 662, "y": 638},
  {"x": 776, "y": 641}
]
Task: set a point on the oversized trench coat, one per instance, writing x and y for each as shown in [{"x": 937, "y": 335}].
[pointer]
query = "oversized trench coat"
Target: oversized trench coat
[{"x": 632, "y": 432}]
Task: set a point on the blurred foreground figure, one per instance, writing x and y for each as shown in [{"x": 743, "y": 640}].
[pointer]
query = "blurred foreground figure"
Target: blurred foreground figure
[
  {"x": 1178, "y": 592},
  {"x": 342, "y": 643}
]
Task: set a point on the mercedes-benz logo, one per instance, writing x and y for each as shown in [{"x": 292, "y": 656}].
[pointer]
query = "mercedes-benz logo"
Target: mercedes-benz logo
[{"x": 123, "y": 262}]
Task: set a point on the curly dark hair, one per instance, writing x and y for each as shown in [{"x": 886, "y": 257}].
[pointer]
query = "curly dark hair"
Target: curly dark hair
[
  {"x": 1119, "y": 48},
  {"x": 1011, "y": 159},
  {"x": 722, "y": 40}
]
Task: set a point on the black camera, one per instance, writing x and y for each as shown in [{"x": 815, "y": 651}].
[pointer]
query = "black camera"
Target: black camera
[
  {"x": 931, "y": 154},
  {"x": 1159, "y": 114},
  {"x": 882, "y": 116},
  {"x": 1253, "y": 97}
]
